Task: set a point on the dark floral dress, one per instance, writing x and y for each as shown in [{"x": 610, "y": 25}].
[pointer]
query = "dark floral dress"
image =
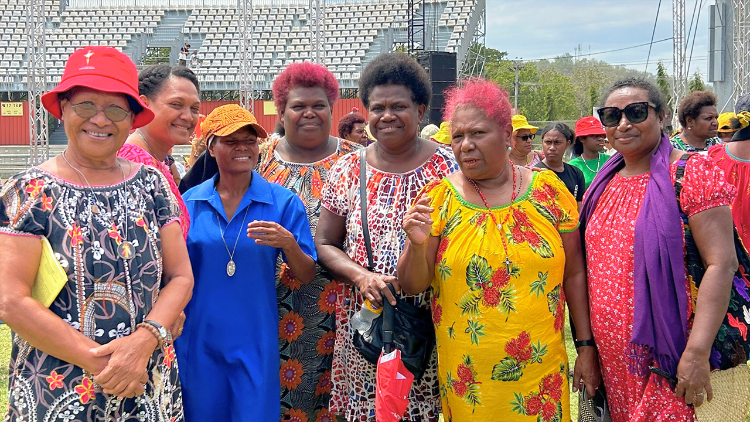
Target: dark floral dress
[{"x": 105, "y": 297}]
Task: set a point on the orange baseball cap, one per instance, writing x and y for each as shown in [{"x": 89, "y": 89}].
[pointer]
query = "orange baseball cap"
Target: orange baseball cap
[
  {"x": 227, "y": 119},
  {"x": 103, "y": 69}
]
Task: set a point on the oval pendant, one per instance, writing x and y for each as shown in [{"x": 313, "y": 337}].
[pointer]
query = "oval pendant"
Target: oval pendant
[
  {"x": 500, "y": 226},
  {"x": 230, "y": 268},
  {"x": 125, "y": 250},
  {"x": 95, "y": 209}
]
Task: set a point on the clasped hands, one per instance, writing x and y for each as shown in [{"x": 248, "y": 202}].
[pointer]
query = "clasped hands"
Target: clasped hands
[{"x": 120, "y": 367}]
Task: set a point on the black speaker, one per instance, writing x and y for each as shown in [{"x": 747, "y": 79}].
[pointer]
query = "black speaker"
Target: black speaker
[{"x": 441, "y": 68}]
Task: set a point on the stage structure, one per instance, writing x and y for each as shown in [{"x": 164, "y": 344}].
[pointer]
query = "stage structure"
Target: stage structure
[
  {"x": 37, "y": 81},
  {"x": 476, "y": 56},
  {"x": 317, "y": 30},
  {"x": 679, "y": 85},
  {"x": 246, "y": 76},
  {"x": 416, "y": 26},
  {"x": 741, "y": 50}
]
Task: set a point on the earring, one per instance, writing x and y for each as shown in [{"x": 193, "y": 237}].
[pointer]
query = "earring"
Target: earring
[
  {"x": 690, "y": 128},
  {"x": 509, "y": 148}
]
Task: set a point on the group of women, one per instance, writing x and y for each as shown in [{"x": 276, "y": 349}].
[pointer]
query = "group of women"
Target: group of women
[{"x": 270, "y": 264}]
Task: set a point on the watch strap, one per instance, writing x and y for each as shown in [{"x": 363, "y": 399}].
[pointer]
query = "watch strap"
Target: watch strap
[{"x": 581, "y": 343}]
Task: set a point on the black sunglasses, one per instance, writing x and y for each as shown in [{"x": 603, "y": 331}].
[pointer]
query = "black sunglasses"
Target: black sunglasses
[
  {"x": 635, "y": 112},
  {"x": 527, "y": 137},
  {"x": 88, "y": 110}
]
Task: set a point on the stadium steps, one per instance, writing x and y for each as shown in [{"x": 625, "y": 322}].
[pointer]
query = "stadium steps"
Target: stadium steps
[
  {"x": 169, "y": 32},
  {"x": 58, "y": 136}
]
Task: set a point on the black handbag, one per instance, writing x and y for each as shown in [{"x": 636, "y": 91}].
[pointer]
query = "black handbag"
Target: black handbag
[{"x": 406, "y": 326}]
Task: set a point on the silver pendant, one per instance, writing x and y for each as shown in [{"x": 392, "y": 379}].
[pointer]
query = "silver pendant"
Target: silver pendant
[
  {"x": 95, "y": 209},
  {"x": 500, "y": 226},
  {"x": 230, "y": 268},
  {"x": 125, "y": 250}
]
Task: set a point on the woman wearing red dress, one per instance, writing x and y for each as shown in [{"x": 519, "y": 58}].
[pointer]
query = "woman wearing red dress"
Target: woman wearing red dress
[{"x": 642, "y": 312}]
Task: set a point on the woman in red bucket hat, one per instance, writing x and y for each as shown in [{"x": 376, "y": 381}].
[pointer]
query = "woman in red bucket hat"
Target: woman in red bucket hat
[
  {"x": 116, "y": 270},
  {"x": 588, "y": 147}
]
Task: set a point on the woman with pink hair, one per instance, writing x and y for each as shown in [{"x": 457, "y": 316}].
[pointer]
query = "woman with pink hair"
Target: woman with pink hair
[
  {"x": 498, "y": 245},
  {"x": 304, "y": 94}
]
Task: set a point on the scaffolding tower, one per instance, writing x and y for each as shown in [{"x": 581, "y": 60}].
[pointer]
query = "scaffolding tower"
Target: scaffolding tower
[
  {"x": 415, "y": 26},
  {"x": 741, "y": 50},
  {"x": 37, "y": 81},
  {"x": 476, "y": 57},
  {"x": 679, "y": 86},
  {"x": 246, "y": 60},
  {"x": 317, "y": 30}
]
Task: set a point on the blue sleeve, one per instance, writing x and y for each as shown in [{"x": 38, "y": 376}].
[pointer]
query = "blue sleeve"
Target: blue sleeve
[{"x": 294, "y": 219}]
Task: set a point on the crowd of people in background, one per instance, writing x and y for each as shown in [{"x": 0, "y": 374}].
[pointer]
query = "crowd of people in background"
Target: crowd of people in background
[{"x": 231, "y": 289}]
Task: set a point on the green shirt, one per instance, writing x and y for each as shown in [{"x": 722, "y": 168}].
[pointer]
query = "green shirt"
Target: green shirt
[{"x": 590, "y": 167}]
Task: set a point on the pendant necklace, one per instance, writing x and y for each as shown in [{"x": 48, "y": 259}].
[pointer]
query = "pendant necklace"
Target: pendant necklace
[
  {"x": 231, "y": 267},
  {"x": 598, "y": 164},
  {"x": 125, "y": 249},
  {"x": 499, "y": 226}
]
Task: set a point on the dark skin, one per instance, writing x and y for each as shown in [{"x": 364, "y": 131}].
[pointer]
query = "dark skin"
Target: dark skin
[
  {"x": 236, "y": 155},
  {"x": 712, "y": 230},
  {"x": 554, "y": 145},
  {"x": 307, "y": 124},
  {"x": 478, "y": 145},
  {"x": 700, "y": 128},
  {"x": 394, "y": 119}
]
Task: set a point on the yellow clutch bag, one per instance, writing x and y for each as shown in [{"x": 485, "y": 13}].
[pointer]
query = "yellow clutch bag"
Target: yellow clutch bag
[{"x": 50, "y": 278}]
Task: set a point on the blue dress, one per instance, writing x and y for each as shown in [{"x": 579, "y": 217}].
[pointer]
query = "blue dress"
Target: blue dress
[{"x": 228, "y": 351}]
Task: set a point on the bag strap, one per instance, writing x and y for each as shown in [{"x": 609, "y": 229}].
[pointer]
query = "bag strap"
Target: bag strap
[
  {"x": 363, "y": 205},
  {"x": 679, "y": 175},
  {"x": 388, "y": 309}
]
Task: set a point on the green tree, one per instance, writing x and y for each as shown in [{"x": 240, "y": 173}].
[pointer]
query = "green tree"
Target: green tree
[
  {"x": 157, "y": 55},
  {"x": 696, "y": 84},
  {"x": 662, "y": 81}
]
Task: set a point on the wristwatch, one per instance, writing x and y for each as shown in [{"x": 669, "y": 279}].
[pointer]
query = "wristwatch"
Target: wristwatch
[
  {"x": 157, "y": 329},
  {"x": 581, "y": 343}
]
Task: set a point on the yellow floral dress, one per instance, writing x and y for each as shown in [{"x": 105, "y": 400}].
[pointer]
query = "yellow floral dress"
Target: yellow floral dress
[{"x": 501, "y": 352}]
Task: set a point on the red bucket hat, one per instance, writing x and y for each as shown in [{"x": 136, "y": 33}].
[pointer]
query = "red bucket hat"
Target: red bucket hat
[
  {"x": 589, "y": 125},
  {"x": 103, "y": 69}
]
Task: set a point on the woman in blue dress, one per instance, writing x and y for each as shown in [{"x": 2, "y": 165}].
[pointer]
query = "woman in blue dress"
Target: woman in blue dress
[{"x": 241, "y": 224}]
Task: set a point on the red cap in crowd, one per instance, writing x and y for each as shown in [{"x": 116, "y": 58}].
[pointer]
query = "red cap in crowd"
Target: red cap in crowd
[
  {"x": 103, "y": 69},
  {"x": 589, "y": 125}
]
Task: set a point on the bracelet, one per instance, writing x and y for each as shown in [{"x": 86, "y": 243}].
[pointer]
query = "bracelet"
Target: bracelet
[
  {"x": 582, "y": 343},
  {"x": 155, "y": 331}
]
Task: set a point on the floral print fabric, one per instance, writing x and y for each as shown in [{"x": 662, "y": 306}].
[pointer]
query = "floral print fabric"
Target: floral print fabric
[
  {"x": 737, "y": 172},
  {"x": 105, "y": 297},
  {"x": 500, "y": 333},
  {"x": 636, "y": 395},
  {"x": 390, "y": 195},
  {"x": 137, "y": 154},
  {"x": 306, "y": 312}
]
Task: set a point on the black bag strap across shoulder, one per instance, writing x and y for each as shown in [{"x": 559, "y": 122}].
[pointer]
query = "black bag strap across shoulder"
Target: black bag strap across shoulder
[{"x": 388, "y": 311}]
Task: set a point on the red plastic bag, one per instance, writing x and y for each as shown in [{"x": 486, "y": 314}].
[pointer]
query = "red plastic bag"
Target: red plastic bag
[{"x": 393, "y": 386}]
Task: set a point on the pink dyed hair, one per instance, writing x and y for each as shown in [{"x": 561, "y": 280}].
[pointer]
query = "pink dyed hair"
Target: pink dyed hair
[
  {"x": 483, "y": 94},
  {"x": 306, "y": 75}
]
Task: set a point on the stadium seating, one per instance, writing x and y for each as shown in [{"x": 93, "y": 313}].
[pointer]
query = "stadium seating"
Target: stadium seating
[{"x": 355, "y": 32}]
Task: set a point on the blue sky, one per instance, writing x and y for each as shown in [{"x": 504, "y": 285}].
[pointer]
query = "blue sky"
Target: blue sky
[{"x": 533, "y": 29}]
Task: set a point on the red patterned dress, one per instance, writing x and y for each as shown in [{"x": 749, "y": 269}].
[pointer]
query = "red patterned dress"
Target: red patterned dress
[
  {"x": 306, "y": 312},
  {"x": 137, "y": 154},
  {"x": 609, "y": 247},
  {"x": 737, "y": 171},
  {"x": 390, "y": 195}
]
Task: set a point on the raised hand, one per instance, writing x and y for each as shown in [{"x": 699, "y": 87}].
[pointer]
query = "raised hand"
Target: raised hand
[{"x": 418, "y": 222}]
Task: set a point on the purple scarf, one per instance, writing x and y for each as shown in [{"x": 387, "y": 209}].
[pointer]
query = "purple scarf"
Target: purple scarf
[{"x": 660, "y": 320}]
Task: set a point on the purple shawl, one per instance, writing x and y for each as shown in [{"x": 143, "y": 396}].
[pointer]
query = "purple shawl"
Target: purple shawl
[{"x": 660, "y": 314}]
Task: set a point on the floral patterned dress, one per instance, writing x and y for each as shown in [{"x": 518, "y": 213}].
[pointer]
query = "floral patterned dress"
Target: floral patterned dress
[
  {"x": 500, "y": 342},
  {"x": 306, "y": 319},
  {"x": 137, "y": 154},
  {"x": 636, "y": 395},
  {"x": 105, "y": 297},
  {"x": 737, "y": 172},
  {"x": 390, "y": 195}
]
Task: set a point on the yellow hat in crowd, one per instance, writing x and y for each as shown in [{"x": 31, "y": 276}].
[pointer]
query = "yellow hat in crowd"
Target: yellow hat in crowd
[
  {"x": 520, "y": 122},
  {"x": 443, "y": 135},
  {"x": 728, "y": 122}
]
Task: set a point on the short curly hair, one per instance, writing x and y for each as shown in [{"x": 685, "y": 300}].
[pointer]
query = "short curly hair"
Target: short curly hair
[
  {"x": 395, "y": 69},
  {"x": 692, "y": 104},
  {"x": 346, "y": 124},
  {"x": 151, "y": 79},
  {"x": 483, "y": 94},
  {"x": 307, "y": 75}
]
